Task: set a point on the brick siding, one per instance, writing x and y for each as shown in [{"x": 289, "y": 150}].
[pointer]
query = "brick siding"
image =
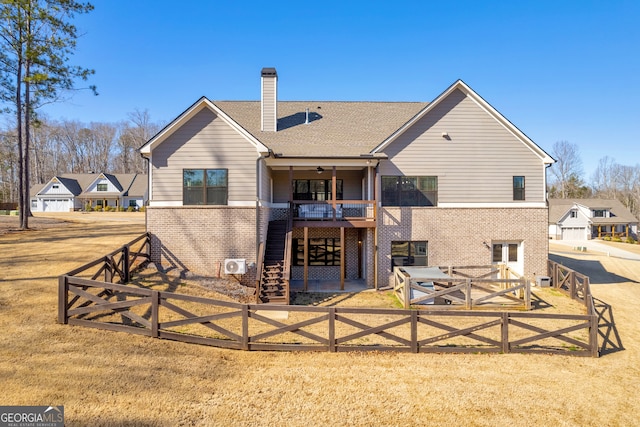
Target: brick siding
[
  {"x": 456, "y": 236},
  {"x": 200, "y": 238}
]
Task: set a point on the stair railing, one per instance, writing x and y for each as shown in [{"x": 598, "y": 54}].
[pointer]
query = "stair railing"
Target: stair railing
[
  {"x": 287, "y": 253},
  {"x": 259, "y": 270}
]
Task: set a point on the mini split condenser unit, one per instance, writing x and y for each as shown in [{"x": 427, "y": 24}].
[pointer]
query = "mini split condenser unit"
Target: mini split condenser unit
[{"x": 235, "y": 266}]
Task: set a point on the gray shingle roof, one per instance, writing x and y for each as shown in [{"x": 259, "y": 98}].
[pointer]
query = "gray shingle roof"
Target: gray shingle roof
[
  {"x": 334, "y": 128},
  {"x": 128, "y": 184},
  {"x": 559, "y": 207}
]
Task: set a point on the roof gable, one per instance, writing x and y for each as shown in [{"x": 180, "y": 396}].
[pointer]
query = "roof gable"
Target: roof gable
[
  {"x": 559, "y": 208},
  {"x": 467, "y": 91},
  {"x": 187, "y": 115}
]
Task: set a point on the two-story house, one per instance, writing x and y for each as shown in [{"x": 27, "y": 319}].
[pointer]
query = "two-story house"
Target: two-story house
[
  {"x": 584, "y": 219},
  {"x": 69, "y": 192},
  {"x": 343, "y": 191}
]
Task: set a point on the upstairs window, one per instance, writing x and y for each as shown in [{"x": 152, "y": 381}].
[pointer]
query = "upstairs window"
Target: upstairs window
[
  {"x": 102, "y": 187},
  {"x": 518, "y": 188},
  {"x": 55, "y": 186},
  {"x": 409, "y": 191},
  {"x": 205, "y": 186},
  {"x": 574, "y": 214},
  {"x": 315, "y": 189},
  {"x": 599, "y": 213}
]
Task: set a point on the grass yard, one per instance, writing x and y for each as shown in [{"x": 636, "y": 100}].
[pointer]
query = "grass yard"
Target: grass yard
[{"x": 115, "y": 379}]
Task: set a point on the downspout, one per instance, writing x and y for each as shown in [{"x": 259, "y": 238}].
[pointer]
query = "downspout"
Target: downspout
[
  {"x": 146, "y": 206},
  {"x": 258, "y": 194}
]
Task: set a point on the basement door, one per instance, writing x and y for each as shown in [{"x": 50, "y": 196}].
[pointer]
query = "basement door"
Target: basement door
[{"x": 509, "y": 253}]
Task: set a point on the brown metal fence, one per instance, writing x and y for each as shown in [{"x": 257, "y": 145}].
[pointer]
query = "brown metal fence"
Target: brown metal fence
[{"x": 85, "y": 301}]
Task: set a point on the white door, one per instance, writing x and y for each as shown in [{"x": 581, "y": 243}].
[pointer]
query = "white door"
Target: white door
[
  {"x": 574, "y": 233},
  {"x": 510, "y": 254},
  {"x": 55, "y": 205}
]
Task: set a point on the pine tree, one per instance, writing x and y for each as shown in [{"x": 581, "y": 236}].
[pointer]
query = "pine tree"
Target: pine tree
[{"x": 36, "y": 40}]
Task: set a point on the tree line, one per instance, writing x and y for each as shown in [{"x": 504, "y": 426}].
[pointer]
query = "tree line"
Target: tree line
[
  {"x": 610, "y": 179},
  {"x": 69, "y": 146}
]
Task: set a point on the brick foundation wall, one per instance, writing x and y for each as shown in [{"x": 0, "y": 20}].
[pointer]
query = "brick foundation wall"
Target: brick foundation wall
[
  {"x": 456, "y": 236},
  {"x": 200, "y": 238}
]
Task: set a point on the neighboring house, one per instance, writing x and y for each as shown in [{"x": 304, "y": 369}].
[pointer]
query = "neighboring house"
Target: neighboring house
[
  {"x": 69, "y": 192},
  {"x": 366, "y": 185},
  {"x": 584, "y": 219}
]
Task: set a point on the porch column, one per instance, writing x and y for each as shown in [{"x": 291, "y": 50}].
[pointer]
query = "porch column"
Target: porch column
[
  {"x": 342, "y": 255},
  {"x": 599, "y": 231},
  {"x": 290, "y": 186},
  {"x": 626, "y": 231},
  {"x": 306, "y": 257},
  {"x": 334, "y": 188}
]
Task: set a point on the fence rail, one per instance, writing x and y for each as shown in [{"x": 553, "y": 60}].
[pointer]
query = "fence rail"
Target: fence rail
[
  {"x": 465, "y": 287},
  {"x": 85, "y": 301}
]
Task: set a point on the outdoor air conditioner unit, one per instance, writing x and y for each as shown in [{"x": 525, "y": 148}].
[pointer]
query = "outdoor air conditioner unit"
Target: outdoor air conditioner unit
[
  {"x": 235, "y": 266},
  {"x": 543, "y": 281}
]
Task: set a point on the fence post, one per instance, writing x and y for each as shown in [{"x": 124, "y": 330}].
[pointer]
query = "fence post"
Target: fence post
[
  {"x": 505, "y": 332},
  {"x": 108, "y": 269},
  {"x": 467, "y": 296},
  {"x": 63, "y": 299},
  {"x": 414, "y": 331},
  {"x": 407, "y": 291},
  {"x": 332, "y": 329},
  {"x": 155, "y": 311},
  {"x": 125, "y": 264},
  {"x": 527, "y": 293},
  {"x": 245, "y": 327},
  {"x": 572, "y": 284}
]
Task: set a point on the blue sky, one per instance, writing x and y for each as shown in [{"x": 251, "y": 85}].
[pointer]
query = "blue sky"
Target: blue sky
[{"x": 559, "y": 70}]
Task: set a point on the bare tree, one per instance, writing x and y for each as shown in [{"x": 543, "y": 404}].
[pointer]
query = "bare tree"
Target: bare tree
[
  {"x": 568, "y": 167},
  {"x": 134, "y": 133},
  {"x": 604, "y": 178}
]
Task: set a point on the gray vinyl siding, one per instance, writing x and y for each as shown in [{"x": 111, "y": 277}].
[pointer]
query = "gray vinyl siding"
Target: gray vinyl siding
[
  {"x": 475, "y": 165},
  {"x": 352, "y": 183},
  {"x": 265, "y": 190},
  {"x": 204, "y": 142}
]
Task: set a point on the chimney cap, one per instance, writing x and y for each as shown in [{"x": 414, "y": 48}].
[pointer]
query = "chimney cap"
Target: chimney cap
[{"x": 269, "y": 72}]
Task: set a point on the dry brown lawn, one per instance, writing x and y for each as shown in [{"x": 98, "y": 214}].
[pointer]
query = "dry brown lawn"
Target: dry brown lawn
[{"x": 115, "y": 379}]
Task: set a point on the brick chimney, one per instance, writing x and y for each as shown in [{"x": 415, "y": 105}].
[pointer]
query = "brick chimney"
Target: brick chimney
[{"x": 269, "y": 100}]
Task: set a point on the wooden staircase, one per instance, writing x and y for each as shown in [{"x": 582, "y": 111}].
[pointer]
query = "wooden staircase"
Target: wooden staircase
[{"x": 273, "y": 286}]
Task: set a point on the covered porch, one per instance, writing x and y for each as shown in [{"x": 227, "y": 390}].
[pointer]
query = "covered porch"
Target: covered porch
[
  {"x": 330, "y": 206},
  {"x": 611, "y": 230}
]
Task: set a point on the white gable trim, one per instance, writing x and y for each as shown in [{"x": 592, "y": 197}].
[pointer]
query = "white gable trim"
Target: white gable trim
[
  {"x": 202, "y": 103},
  {"x": 460, "y": 85},
  {"x": 101, "y": 176},
  {"x": 48, "y": 185}
]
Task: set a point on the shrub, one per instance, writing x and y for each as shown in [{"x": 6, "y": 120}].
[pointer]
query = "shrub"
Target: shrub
[
  {"x": 630, "y": 240},
  {"x": 120, "y": 208},
  {"x": 616, "y": 239},
  {"x": 606, "y": 238},
  {"x": 98, "y": 208},
  {"x": 142, "y": 209},
  {"x": 130, "y": 209}
]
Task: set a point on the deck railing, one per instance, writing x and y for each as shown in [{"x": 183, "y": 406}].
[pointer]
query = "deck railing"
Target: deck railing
[{"x": 342, "y": 210}]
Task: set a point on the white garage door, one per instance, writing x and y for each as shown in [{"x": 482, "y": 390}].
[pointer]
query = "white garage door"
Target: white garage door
[
  {"x": 55, "y": 205},
  {"x": 574, "y": 233}
]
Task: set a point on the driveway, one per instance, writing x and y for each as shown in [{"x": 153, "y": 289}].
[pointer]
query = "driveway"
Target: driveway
[{"x": 597, "y": 247}]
